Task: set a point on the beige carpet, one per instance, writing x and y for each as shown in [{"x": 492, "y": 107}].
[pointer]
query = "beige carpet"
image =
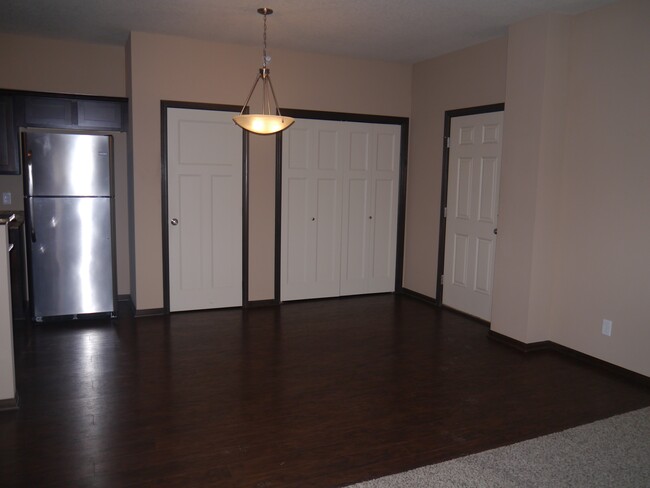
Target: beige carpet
[{"x": 612, "y": 453}]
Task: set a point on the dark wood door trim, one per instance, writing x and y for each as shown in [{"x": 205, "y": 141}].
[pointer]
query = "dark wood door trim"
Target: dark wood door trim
[
  {"x": 164, "y": 105},
  {"x": 403, "y": 122}
]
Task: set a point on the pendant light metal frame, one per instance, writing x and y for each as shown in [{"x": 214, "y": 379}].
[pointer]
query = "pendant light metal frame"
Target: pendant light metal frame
[{"x": 266, "y": 122}]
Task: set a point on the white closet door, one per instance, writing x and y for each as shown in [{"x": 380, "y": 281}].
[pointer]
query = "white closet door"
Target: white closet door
[
  {"x": 339, "y": 208},
  {"x": 369, "y": 223},
  {"x": 311, "y": 210},
  {"x": 204, "y": 163},
  {"x": 385, "y": 190}
]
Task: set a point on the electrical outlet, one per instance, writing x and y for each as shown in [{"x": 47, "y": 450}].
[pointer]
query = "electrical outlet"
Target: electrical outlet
[
  {"x": 6, "y": 198},
  {"x": 607, "y": 327}
]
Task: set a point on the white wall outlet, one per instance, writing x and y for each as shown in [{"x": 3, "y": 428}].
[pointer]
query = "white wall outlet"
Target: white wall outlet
[
  {"x": 6, "y": 198},
  {"x": 607, "y": 327}
]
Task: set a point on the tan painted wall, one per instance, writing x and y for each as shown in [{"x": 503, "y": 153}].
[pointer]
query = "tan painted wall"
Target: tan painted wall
[
  {"x": 50, "y": 65},
  {"x": 172, "y": 68},
  {"x": 574, "y": 234},
  {"x": 605, "y": 224},
  {"x": 467, "y": 78},
  {"x": 47, "y": 65},
  {"x": 261, "y": 265},
  {"x": 530, "y": 177}
]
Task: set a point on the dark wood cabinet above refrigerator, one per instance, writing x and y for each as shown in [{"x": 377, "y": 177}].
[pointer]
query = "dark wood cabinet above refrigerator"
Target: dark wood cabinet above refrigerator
[{"x": 43, "y": 110}]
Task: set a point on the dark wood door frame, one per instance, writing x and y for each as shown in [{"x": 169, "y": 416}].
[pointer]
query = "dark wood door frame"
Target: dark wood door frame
[
  {"x": 403, "y": 122},
  {"x": 450, "y": 114},
  {"x": 164, "y": 105}
]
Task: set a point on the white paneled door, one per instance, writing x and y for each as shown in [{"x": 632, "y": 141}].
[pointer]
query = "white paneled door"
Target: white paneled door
[
  {"x": 472, "y": 205},
  {"x": 339, "y": 208},
  {"x": 370, "y": 201},
  {"x": 311, "y": 210},
  {"x": 204, "y": 165}
]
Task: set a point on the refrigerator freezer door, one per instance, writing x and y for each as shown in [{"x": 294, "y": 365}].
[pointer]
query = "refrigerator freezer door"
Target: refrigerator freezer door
[
  {"x": 67, "y": 164},
  {"x": 71, "y": 256}
]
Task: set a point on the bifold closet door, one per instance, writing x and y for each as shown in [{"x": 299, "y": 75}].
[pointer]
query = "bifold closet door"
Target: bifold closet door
[
  {"x": 311, "y": 210},
  {"x": 369, "y": 221},
  {"x": 339, "y": 208}
]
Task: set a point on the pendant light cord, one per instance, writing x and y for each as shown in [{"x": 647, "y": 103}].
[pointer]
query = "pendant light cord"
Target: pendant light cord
[{"x": 264, "y": 57}]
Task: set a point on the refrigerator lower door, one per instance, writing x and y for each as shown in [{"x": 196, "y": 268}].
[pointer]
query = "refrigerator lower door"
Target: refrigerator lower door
[{"x": 71, "y": 256}]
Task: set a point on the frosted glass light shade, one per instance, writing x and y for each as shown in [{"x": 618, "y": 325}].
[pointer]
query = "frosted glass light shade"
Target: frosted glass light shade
[{"x": 263, "y": 124}]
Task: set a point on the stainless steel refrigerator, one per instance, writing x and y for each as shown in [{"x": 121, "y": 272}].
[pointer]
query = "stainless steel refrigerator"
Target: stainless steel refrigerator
[{"x": 70, "y": 228}]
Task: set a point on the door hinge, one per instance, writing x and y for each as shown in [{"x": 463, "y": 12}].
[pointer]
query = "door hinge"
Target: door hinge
[
  {"x": 447, "y": 144},
  {"x": 445, "y": 212},
  {"x": 442, "y": 279}
]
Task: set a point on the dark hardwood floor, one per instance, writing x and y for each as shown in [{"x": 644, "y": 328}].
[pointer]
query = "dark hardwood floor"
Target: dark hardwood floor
[{"x": 312, "y": 394}]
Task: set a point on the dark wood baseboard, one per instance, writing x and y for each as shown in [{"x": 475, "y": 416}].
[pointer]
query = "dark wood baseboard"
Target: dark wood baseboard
[
  {"x": 467, "y": 315},
  {"x": 262, "y": 303},
  {"x": 144, "y": 312},
  {"x": 148, "y": 312},
  {"x": 9, "y": 404},
  {"x": 520, "y": 346},
  {"x": 618, "y": 370},
  {"x": 419, "y": 296},
  {"x": 633, "y": 376}
]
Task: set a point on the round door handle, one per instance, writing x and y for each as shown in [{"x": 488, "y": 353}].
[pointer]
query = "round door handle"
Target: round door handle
[
  {"x": 495, "y": 231},
  {"x": 174, "y": 221},
  {"x": 313, "y": 218},
  {"x": 370, "y": 217}
]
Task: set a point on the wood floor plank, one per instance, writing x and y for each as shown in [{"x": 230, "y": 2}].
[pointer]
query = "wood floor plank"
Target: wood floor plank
[{"x": 318, "y": 393}]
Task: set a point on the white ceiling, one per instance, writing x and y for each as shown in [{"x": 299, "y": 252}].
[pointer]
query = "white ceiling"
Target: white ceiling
[{"x": 392, "y": 30}]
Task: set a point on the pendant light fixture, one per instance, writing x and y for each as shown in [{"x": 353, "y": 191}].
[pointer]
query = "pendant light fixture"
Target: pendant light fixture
[{"x": 266, "y": 122}]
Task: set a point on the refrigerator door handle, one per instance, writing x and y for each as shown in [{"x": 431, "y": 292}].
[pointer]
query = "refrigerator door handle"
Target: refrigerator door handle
[
  {"x": 31, "y": 219},
  {"x": 30, "y": 189},
  {"x": 30, "y": 177}
]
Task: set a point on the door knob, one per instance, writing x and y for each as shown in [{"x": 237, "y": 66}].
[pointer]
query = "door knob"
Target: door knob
[
  {"x": 495, "y": 231},
  {"x": 174, "y": 221}
]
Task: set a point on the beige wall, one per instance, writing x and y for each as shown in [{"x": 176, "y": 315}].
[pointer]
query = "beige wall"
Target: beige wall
[
  {"x": 467, "y": 78},
  {"x": 261, "y": 266},
  {"x": 530, "y": 177},
  {"x": 574, "y": 234},
  {"x": 173, "y": 68},
  {"x": 47, "y": 65},
  {"x": 605, "y": 224}
]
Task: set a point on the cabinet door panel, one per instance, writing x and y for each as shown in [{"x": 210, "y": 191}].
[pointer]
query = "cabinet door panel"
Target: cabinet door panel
[
  {"x": 49, "y": 112},
  {"x": 97, "y": 114},
  {"x": 9, "y": 162}
]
